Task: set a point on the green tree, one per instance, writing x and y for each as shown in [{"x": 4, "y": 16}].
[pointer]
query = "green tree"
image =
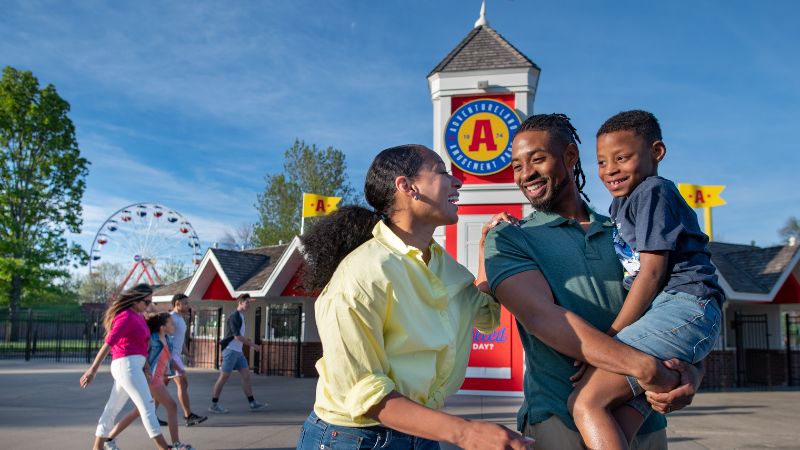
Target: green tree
[
  {"x": 305, "y": 169},
  {"x": 791, "y": 229},
  {"x": 42, "y": 180},
  {"x": 102, "y": 284},
  {"x": 172, "y": 270}
]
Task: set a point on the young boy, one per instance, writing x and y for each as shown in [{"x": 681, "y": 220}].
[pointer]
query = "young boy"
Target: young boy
[{"x": 672, "y": 309}]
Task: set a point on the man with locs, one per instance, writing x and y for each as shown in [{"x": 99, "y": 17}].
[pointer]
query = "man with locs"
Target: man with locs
[
  {"x": 559, "y": 275},
  {"x": 233, "y": 358}
]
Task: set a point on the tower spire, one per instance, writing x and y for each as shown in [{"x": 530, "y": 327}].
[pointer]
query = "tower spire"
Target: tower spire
[{"x": 482, "y": 19}]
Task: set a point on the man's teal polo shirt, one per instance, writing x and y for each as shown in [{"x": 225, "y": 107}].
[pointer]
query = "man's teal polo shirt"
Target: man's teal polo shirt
[{"x": 585, "y": 277}]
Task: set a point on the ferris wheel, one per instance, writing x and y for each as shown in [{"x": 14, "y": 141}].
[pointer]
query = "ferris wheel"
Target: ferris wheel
[{"x": 142, "y": 235}]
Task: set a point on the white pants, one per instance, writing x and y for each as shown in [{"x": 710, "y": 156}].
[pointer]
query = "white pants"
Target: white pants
[{"x": 129, "y": 382}]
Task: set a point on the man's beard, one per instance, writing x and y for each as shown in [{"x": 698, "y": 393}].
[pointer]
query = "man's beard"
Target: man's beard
[{"x": 546, "y": 203}]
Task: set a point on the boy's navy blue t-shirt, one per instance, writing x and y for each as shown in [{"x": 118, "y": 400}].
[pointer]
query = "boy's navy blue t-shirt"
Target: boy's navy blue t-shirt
[{"x": 654, "y": 217}]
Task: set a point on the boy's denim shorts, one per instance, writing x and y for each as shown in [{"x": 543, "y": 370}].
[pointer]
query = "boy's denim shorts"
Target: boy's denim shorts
[
  {"x": 232, "y": 360},
  {"x": 320, "y": 435},
  {"x": 677, "y": 325}
]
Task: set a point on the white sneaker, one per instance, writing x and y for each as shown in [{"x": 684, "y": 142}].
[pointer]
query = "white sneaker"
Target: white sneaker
[
  {"x": 216, "y": 408},
  {"x": 110, "y": 445},
  {"x": 181, "y": 446},
  {"x": 255, "y": 405}
]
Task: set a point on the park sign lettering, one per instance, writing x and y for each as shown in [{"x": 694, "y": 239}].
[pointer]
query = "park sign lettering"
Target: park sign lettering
[
  {"x": 479, "y": 134},
  {"x": 485, "y": 341}
]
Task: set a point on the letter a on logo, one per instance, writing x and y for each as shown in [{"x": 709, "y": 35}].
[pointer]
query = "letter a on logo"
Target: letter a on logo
[
  {"x": 482, "y": 135},
  {"x": 320, "y": 206},
  {"x": 698, "y": 197}
]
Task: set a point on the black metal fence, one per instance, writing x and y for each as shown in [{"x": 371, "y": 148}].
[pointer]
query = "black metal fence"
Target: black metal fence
[
  {"x": 282, "y": 351},
  {"x": 51, "y": 335},
  {"x": 792, "y": 333},
  {"x": 204, "y": 330}
]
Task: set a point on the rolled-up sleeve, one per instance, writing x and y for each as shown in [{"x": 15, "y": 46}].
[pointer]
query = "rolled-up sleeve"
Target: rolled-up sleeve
[
  {"x": 355, "y": 366},
  {"x": 488, "y": 316}
]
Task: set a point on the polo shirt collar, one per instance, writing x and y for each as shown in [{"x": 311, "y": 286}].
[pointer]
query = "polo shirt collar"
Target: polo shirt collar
[
  {"x": 393, "y": 243},
  {"x": 553, "y": 219}
]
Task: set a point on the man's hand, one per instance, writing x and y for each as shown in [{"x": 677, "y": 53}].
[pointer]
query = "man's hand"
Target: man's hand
[{"x": 681, "y": 396}]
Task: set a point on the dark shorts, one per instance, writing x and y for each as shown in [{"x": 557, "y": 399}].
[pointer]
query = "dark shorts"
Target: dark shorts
[{"x": 320, "y": 435}]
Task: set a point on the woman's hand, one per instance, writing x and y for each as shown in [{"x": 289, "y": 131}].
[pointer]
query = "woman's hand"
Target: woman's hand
[
  {"x": 490, "y": 436},
  {"x": 88, "y": 377},
  {"x": 496, "y": 219}
]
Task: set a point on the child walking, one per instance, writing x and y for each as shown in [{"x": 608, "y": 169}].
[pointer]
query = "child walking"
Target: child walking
[
  {"x": 159, "y": 358},
  {"x": 673, "y": 307},
  {"x": 126, "y": 339}
]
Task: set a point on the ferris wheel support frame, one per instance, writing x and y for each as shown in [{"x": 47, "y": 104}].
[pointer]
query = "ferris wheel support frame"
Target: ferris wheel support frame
[{"x": 144, "y": 266}]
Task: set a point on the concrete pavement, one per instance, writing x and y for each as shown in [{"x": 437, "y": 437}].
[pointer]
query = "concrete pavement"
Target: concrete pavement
[{"x": 42, "y": 407}]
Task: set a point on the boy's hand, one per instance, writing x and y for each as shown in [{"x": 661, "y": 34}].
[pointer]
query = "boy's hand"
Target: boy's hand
[{"x": 681, "y": 396}]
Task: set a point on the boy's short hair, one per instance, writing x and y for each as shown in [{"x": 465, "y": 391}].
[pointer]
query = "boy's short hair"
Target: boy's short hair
[
  {"x": 642, "y": 123},
  {"x": 178, "y": 297},
  {"x": 243, "y": 298}
]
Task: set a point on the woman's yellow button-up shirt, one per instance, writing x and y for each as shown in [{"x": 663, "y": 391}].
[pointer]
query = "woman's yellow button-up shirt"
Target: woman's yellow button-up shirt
[{"x": 389, "y": 322}]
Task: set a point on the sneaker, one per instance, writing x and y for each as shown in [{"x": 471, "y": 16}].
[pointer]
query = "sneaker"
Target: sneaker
[
  {"x": 110, "y": 445},
  {"x": 216, "y": 408},
  {"x": 163, "y": 423},
  {"x": 194, "y": 419},
  {"x": 181, "y": 446},
  {"x": 255, "y": 405}
]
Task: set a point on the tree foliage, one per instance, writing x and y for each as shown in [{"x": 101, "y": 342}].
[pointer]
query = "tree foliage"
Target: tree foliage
[
  {"x": 102, "y": 284},
  {"x": 790, "y": 229},
  {"x": 240, "y": 238},
  {"x": 42, "y": 180},
  {"x": 305, "y": 169}
]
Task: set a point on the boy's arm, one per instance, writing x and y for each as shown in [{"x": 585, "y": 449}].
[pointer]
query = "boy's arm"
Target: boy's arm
[{"x": 646, "y": 286}]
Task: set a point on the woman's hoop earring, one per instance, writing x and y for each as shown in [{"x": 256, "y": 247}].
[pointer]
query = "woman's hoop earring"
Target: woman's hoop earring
[{"x": 416, "y": 196}]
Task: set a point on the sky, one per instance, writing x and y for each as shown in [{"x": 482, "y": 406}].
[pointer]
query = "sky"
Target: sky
[{"x": 191, "y": 103}]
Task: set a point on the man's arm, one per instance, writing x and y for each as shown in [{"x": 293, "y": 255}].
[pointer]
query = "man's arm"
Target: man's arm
[{"x": 528, "y": 296}]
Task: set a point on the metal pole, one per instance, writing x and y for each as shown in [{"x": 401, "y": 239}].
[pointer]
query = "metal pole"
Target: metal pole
[
  {"x": 789, "y": 375},
  {"x": 28, "y": 336},
  {"x": 216, "y": 347},
  {"x": 708, "y": 223}
]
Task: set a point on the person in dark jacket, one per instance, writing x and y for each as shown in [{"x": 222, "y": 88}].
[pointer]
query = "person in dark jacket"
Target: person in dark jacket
[{"x": 233, "y": 358}]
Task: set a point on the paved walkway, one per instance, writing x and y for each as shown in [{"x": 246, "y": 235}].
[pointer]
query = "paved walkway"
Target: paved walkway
[{"x": 42, "y": 406}]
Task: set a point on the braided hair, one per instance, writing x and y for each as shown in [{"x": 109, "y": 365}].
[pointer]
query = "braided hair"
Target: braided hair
[{"x": 559, "y": 126}]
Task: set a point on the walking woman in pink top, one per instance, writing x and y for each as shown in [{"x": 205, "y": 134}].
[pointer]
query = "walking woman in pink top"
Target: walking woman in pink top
[{"x": 127, "y": 337}]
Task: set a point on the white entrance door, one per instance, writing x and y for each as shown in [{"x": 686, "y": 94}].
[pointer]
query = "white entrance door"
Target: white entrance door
[{"x": 469, "y": 238}]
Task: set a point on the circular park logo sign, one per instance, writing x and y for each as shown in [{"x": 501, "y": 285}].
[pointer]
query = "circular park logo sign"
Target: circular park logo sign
[{"x": 479, "y": 134}]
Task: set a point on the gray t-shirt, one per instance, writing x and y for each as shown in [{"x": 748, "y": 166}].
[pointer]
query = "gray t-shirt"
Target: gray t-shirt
[
  {"x": 179, "y": 336},
  {"x": 654, "y": 217}
]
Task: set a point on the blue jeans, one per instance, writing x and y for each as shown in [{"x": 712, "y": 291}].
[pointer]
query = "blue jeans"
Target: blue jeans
[
  {"x": 320, "y": 435},
  {"x": 677, "y": 325}
]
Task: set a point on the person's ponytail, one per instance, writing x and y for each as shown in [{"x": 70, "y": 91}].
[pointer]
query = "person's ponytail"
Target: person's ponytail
[{"x": 333, "y": 237}]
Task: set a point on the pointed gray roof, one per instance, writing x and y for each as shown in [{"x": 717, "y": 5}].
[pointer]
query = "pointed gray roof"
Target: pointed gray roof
[
  {"x": 483, "y": 49},
  {"x": 751, "y": 269}
]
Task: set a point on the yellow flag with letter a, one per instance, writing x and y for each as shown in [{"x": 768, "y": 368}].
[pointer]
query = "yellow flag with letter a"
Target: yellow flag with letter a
[{"x": 319, "y": 205}]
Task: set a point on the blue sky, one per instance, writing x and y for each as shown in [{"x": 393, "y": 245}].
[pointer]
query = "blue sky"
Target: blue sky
[{"x": 190, "y": 104}]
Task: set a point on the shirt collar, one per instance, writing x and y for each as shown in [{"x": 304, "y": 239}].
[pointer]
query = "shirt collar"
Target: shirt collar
[
  {"x": 553, "y": 219},
  {"x": 393, "y": 243}
]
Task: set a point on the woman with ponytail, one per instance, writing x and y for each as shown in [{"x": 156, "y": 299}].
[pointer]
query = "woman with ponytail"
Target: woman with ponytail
[
  {"x": 127, "y": 338},
  {"x": 395, "y": 315}
]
